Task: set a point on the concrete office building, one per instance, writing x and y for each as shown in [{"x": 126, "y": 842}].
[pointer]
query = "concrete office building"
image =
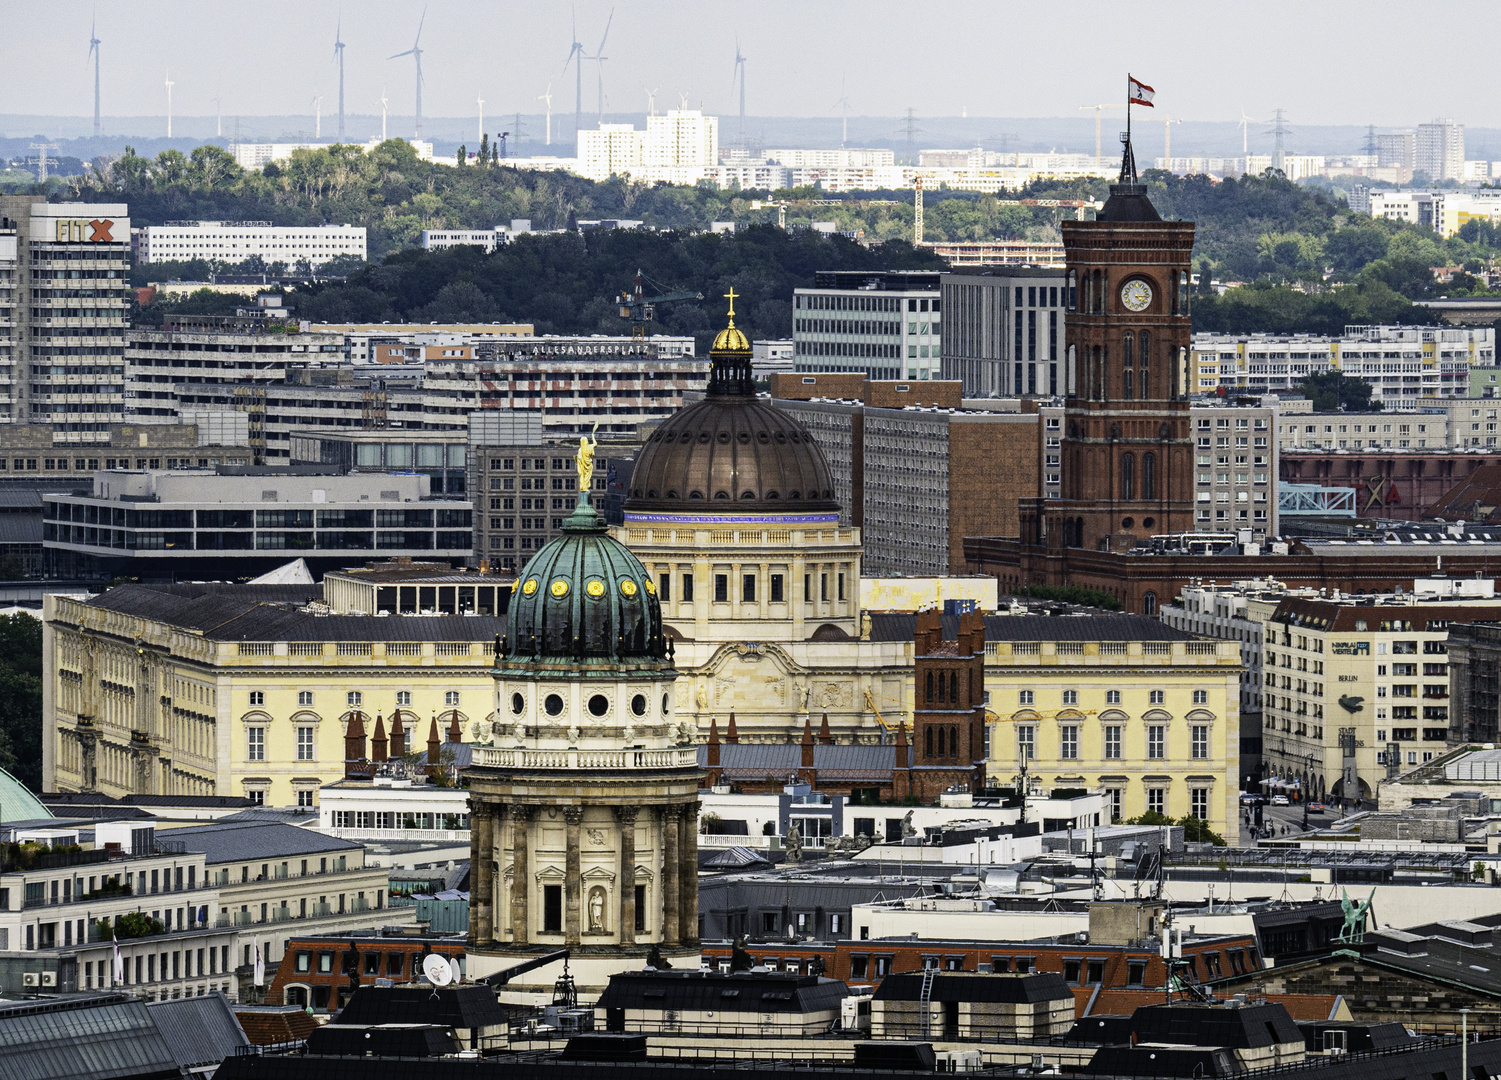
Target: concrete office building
[
  {"x": 1439, "y": 150},
  {"x": 487, "y": 239},
  {"x": 887, "y": 325},
  {"x": 1003, "y": 331},
  {"x": 1443, "y": 211},
  {"x": 233, "y": 522},
  {"x": 236, "y": 241},
  {"x": 68, "y": 263},
  {"x": 911, "y": 469}
]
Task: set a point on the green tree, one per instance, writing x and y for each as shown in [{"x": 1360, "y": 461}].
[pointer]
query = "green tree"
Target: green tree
[
  {"x": 1331, "y": 391},
  {"x": 1197, "y": 831},
  {"x": 21, "y": 698}
]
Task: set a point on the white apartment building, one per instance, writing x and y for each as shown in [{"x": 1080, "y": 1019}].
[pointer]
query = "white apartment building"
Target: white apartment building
[
  {"x": 1408, "y": 367},
  {"x": 1440, "y": 150},
  {"x": 235, "y": 241},
  {"x": 1445, "y": 212},
  {"x": 1233, "y": 612},
  {"x": 259, "y": 155},
  {"x": 682, "y": 139},
  {"x": 678, "y": 147},
  {"x": 843, "y": 158},
  {"x": 488, "y": 239},
  {"x": 1464, "y": 424},
  {"x": 887, "y": 325},
  {"x": 611, "y": 150}
]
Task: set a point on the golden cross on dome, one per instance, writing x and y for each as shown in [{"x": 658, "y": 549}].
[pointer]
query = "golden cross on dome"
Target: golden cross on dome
[{"x": 731, "y": 297}]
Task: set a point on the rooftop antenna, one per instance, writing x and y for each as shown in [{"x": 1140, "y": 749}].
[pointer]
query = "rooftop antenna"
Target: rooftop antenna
[
  {"x": 739, "y": 73},
  {"x": 481, "y": 103},
  {"x": 651, "y": 100},
  {"x": 1280, "y": 131},
  {"x": 599, "y": 58},
  {"x": 912, "y": 131},
  {"x": 1370, "y": 141},
  {"x": 1168, "y": 120},
  {"x": 547, "y": 97},
  {"x": 339, "y": 56},
  {"x": 415, "y": 52},
  {"x": 169, "y": 104},
  {"x": 94, "y": 52},
  {"x": 317, "y": 116},
  {"x": 219, "y": 112},
  {"x": 382, "y": 114}
]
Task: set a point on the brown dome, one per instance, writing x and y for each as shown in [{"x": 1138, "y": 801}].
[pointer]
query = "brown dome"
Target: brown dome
[{"x": 731, "y": 453}]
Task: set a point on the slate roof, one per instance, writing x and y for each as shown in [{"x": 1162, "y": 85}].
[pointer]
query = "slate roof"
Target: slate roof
[
  {"x": 1248, "y": 1027},
  {"x": 838, "y": 762},
  {"x": 199, "y": 1030},
  {"x": 900, "y": 627},
  {"x": 974, "y": 987},
  {"x": 17, "y": 802},
  {"x": 744, "y": 991},
  {"x": 236, "y": 841},
  {"x": 98, "y": 1037},
  {"x": 271, "y": 613}
]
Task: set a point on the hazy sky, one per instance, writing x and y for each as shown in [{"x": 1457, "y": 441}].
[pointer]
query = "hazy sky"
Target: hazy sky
[{"x": 1324, "y": 61}]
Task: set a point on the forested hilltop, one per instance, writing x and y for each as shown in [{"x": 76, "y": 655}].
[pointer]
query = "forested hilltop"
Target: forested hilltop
[{"x": 1310, "y": 263}]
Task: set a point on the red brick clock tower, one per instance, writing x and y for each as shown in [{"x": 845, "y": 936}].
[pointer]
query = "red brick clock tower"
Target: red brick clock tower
[{"x": 1127, "y": 449}]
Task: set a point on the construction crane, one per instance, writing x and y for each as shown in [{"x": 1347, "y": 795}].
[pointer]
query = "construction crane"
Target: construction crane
[
  {"x": 870, "y": 703},
  {"x": 640, "y": 309},
  {"x": 1098, "y": 109}
]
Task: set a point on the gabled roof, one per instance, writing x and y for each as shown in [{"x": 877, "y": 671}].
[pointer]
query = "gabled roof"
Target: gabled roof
[
  {"x": 199, "y": 1030},
  {"x": 234, "y": 841},
  {"x": 97, "y": 1037},
  {"x": 274, "y": 1025},
  {"x": 837, "y": 762}
]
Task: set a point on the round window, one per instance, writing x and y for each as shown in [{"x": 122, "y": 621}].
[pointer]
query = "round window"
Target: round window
[
  {"x": 664, "y": 704},
  {"x": 638, "y": 704},
  {"x": 553, "y": 704},
  {"x": 599, "y": 705},
  {"x": 518, "y": 703}
]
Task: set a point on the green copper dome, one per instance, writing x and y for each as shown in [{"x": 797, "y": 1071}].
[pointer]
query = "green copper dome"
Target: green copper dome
[{"x": 585, "y": 596}]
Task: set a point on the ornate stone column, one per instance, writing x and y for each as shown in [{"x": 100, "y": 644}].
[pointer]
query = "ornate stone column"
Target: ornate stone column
[
  {"x": 479, "y": 872},
  {"x": 521, "y": 817},
  {"x": 493, "y": 815},
  {"x": 671, "y": 817},
  {"x": 688, "y": 874},
  {"x": 573, "y": 816},
  {"x": 626, "y": 816}
]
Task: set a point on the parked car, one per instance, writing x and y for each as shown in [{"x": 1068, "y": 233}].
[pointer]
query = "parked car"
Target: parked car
[
  {"x": 1280, "y": 800},
  {"x": 1316, "y": 808}
]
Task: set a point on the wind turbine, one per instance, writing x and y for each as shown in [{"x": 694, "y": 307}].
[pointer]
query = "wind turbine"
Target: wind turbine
[
  {"x": 576, "y": 58},
  {"x": 415, "y": 52},
  {"x": 339, "y": 56},
  {"x": 599, "y": 58},
  {"x": 94, "y": 52},
  {"x": 843, "y": 104},
  {"x": 1168, "y": 120},
  {"x": 481, "y": 103},
  {"x": 739, "y": 73},
  {"x": 547, "y": 97},
  {"x": 651, "y": 100},
  {"x": 317, "y": 116},
  {"x": 1245, "y": 140},
  {"x": 382, "y": 114},
  {"x": 169, "y": 104}
]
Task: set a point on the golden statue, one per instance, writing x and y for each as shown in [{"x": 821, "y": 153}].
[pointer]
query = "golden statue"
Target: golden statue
[{"x": 584, "y": 459}]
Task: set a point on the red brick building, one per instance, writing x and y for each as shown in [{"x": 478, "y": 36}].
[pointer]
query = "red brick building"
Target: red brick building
[
  {"x": 1402, "y": 487},
  {"x": 324, "y": 970},
  {"x": 948, "y": 723}
]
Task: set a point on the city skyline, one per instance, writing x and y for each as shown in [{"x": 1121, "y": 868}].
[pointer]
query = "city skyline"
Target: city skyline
[{"x": 223, "y": 57}]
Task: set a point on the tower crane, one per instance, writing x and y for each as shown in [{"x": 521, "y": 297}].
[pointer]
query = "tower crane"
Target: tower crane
[{"x": 640, "y": 309}]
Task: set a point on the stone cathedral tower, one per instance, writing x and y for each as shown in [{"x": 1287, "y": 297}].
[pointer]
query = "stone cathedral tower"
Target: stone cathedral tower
[
  {"x": 1127, "y": 448},
  {"x": 584, "y": 804}
]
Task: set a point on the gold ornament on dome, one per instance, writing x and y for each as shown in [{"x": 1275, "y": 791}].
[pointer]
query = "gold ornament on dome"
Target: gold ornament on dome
[
  {"x": 559, "y": 588},
  {"x": 651, "y": 588},
  {"x": 595, "y": 588},
  {"x": 530, "y": 587},
  {"x": 627, "y": 587}
]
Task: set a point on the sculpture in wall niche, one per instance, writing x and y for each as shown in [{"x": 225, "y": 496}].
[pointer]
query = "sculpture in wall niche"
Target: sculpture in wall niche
[
  {"x": 702, "y": 697},
  {"x": 864, "y": 626},
  {"x": 628, "y": 734},
  {"x": 596, "y": 837},
  {"x": 518, "y": 732},
  {"x": 597, "y": 910},
  {"x": 573, "y": 736},
  {"x": 794, "y": 844}
]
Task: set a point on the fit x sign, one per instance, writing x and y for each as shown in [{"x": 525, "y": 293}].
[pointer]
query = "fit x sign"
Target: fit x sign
[{"x": 86, "y": 231}]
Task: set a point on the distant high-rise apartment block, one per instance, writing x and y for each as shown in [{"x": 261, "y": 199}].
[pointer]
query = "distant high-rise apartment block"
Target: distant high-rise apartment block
[
  {"x": 887, "y": 325},
  {"x": 1440, "y": 150},
  {"x": 235, "y": 241},
  {"x": 63, "y": 356},
  {"x": 1397, "y": 149},
  {"x": 683, "y": 139}
]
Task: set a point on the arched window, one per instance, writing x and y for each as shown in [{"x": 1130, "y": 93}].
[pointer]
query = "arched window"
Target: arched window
[
  {"x": 1149, "y": 476},
  {"x": 928, "y": 743},
  {"x": 1128, "y": 383},
  {"x": 1071, "y": 374},
  {"x": 1180, "y": 376},
  {"x": 1099, "y": 297},
  {"x": 1149, "y": 603},
  {"x": 1097, "y": 377},
  {"x": 1128, "y": 348},
  {"x": 1143, "y": 389},
  {"x": 954, "y": 687},
  {"x": 1073, "y": 289},
  {"x": 1128, "y": 476},
  {"x": 953, "y": 741},
  {"x": 1183, "y": 292},
  {"x": 930, "y": 688}
]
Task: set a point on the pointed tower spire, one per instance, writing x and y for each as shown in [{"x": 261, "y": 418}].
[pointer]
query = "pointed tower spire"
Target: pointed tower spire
[
  {"x": 378, "y": 741},
  {"x": 807, "y": 741},
  {"x": 825, "y": 737},
  {"x": 398, "y": 737},
  {"x": 434, "y": 747},
  {"x": 730, "y": 734}
]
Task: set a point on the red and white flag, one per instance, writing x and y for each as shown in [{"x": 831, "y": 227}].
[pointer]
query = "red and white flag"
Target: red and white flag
[
  {"x": 1141, "y": 93},
  {"x": 117, "y": 967}
]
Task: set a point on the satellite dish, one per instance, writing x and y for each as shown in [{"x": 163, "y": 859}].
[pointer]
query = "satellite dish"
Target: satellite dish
[{"x": 437, "y": 970}]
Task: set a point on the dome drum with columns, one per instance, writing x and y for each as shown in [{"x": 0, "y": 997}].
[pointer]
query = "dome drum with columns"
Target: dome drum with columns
[{"x": 584, "y": 801}]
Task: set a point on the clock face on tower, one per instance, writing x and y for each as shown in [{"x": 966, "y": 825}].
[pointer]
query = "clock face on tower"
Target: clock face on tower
[{"x": 1136, "y": 295}]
